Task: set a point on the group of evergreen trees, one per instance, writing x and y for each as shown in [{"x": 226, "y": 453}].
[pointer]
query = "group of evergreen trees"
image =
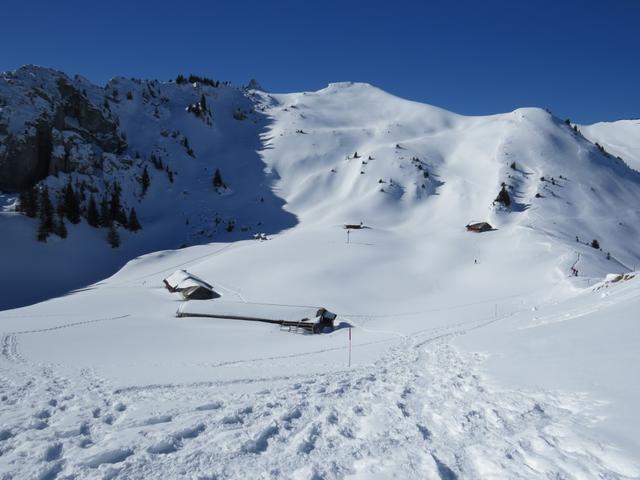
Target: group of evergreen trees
[
  {"x": 36, "y": 202},
  {"x": 200, "y": 108},
  {"x": 181, "y": 79}
]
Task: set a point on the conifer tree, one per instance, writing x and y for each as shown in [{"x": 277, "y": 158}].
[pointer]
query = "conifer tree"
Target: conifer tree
[
  {"x": 115, "y": 208},
  {"x": 145, "y": 180},
  {"x": 93, "y": 218},
  {"x": 71, "y": 204},
  {"x": 113, "y": 237},
  {"x": 105, "y": 213},
  {"x": 28, "y": 202},
  {"x": 203, "y": 103},
  {"x": 45, "y": 228},
  {"x": 217, "y": 180},
  {"x": 503, "y": 197},
  {"x": 133, "y": 223},
  {"x": 60, "y": 227}
]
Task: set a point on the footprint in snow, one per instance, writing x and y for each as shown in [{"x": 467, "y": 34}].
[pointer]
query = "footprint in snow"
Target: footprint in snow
[
  {"x": 110, "y": 456},
  {"x": 210, "y": 406},
  {"x": 156, "y": 420},
  {"x": 191, "y": 432},
  {"x": 310, "y": 441},
  {"x": 231, "y": 419},
  {"x": 50, "y": 472},
  {"x": 53, "y": 452},
  {"x": 42, "y": 414},
  {"x": 174, "y": 442},
  {"x": 261, "y": 442},
  {"x": 164, "y": 447},
  {"x": 39, "y": 425},
  {"x": 292, "y": 415}
]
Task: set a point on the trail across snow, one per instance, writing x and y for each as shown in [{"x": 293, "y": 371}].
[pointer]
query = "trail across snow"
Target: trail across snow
[{"x": 420, "y": 411}]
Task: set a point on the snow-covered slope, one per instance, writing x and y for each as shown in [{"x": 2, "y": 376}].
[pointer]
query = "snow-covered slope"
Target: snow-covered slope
[
  {"x": 154, "y": 131},
  {"x": 621, "y": 138},
  {"x": 473, "y": 355}
]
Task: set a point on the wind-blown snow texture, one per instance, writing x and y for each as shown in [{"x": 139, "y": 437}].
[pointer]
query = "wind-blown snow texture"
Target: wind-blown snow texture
[{"x": 474, "y": 355}]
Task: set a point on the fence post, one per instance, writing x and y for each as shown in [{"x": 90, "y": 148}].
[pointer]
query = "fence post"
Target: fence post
[{"x": 349, "y": 347}]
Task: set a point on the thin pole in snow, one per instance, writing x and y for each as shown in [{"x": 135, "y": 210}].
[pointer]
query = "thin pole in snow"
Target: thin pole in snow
[
  {"x": 348, "y": 232},
  {"x": 349, "y": 347}
]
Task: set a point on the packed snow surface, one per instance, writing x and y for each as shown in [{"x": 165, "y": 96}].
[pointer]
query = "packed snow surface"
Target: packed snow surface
[{"x": 472, "y": 355}]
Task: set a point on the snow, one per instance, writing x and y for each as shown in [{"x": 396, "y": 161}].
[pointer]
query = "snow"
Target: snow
[
  {"x": 621, "y": 138},
  {"x": 504, "y": 368}
]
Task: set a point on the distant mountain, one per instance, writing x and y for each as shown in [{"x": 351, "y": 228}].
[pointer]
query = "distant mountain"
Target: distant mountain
[
  {"x": 202, "y": 161},
  {"x": 621, "y": 138}
]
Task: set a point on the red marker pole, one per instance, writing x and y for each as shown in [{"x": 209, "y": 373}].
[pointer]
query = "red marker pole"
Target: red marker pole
[{"x": 349, "y": 347}]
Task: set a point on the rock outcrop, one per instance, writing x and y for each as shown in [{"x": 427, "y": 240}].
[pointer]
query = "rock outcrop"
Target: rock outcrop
[{"x": 49, "y": 125}]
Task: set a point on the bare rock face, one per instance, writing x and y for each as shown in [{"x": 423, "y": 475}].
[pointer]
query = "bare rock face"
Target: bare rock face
[
  {"x": 24, "y": 160},
  {"x": 48, "y": 125}
]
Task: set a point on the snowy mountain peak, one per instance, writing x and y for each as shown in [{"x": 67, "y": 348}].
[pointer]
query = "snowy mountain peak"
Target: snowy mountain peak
[{"x": 200, "y": 160}]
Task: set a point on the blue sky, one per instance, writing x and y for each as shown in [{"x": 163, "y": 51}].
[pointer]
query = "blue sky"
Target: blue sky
[{"x": 579, "y": 58}]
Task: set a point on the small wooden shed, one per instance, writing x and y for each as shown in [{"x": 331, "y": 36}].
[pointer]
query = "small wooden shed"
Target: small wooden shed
[{"x": 479, "y": 227}]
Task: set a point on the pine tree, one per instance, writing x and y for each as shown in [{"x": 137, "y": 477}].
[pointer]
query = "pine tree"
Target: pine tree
[
  {"x": 45, "y": 228},
  {"x": 203, "y": 103},
  {"x": 93, "y": 218},
  {"x": 503, "y": 197},
  {"x": 113, "y": 237},
  {"x": 60, "y": 227},
  {"x": 122, "y": 218},
  {"x": 71, "y": 204},
  {"x": 217, "y": 180},
  {"x": 115, "y": 208},
  {"x": 145, "y": 180},
  {"x": 134, "y": 224},
  {"x": 105, "y": 213},
  {"x": 28, "y": 202}
]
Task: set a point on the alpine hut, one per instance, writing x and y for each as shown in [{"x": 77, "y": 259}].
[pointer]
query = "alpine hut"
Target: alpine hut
[
  {"x": 189, "y": 286},
  {"x": 479, "y": 227}
]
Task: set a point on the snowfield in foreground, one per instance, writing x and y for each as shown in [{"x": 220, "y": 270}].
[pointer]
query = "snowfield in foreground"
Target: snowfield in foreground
[
  {"x": 107, "y": 383},
  {"x": 474, "y": 355}
]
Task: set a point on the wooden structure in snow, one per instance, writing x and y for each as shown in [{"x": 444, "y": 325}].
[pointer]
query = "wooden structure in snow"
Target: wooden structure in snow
[
  {"x": 354, "y": 226},
  {"x": 292, "y": 318},
  {"x": 479, "y": 227},
  {"x": 189, "y": 286}
]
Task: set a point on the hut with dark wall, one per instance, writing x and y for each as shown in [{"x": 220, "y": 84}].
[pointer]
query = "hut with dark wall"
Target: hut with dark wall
[
  {"x": 189, "y": 286},
  {"x": 479, "y": 227}
]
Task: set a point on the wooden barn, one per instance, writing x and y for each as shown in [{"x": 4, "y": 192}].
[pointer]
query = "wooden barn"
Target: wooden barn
[
  {"x": 479, "y": 227},
  {"x": 189, "y": 286}
]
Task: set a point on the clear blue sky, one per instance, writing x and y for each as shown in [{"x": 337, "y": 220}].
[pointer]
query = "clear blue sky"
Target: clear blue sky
[{"x": 580, "y": 58}]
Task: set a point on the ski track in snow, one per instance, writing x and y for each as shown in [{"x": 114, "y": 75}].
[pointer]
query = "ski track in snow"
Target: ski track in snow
[{"x": 421, "y": 411}]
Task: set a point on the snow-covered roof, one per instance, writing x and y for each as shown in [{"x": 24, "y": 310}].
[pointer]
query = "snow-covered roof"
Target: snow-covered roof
[
  {"x": 181, "y": 279},
  {"x": 250, "y": 310}
]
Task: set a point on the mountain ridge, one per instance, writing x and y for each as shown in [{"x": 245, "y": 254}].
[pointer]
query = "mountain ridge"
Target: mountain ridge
[{"x": 327, "y": 157}]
